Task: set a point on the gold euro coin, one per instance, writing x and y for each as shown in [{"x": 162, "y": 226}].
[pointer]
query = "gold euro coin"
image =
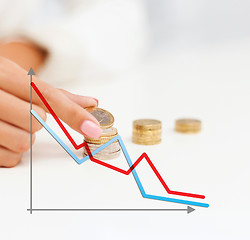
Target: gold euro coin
[
  {"x": 188, "y": 125},
  {"x": 110, "y": 152},
  {"x": 146, "y": 131},
  {"x": 146, "y": 124},
  {"x": 105, "y": 118},
  {"x": 107, "y": 135},
  {"x": 106, "y": 121},
  {"x": 102, "y": 141}
]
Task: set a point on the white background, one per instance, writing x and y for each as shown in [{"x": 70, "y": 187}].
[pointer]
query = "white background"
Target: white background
[
  {"x": 214, "y": 162},
  {"x": 205, "y": 80}
]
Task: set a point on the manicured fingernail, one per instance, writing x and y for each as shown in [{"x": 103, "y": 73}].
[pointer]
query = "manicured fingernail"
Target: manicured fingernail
[
  {"x": 91, "y": 129},
  {"x": 94, "y": 99}
]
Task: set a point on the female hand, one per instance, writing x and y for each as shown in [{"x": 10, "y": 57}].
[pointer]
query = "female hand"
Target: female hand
[{"x": 15, "y": 111}]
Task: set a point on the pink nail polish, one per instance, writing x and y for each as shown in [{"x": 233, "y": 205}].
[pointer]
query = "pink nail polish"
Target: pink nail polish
[{"x": 91, "y": 129}]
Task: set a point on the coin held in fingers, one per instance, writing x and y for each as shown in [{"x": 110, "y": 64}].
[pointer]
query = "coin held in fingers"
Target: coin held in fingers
[
  {"x": 106, "y": 121},
  {"x": 105, "y": 118}
]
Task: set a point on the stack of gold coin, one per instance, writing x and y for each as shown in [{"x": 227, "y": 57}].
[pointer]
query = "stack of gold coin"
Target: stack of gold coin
[
  {"x": 106, "y": 121},
  {"x": 188, "y": 125},
  {"x": 146, "y": 131}
]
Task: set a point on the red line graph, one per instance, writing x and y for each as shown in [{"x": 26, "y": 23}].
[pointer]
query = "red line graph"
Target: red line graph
[
  {"x": 144, "y": 155},
  {"x": 56, "y": 118}
]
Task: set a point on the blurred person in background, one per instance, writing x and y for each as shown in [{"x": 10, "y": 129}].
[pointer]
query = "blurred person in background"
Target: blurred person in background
[{"x": 63, "y": 41}]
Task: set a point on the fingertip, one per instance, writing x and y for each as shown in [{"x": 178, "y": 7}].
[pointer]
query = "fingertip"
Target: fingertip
[
  {"x": 91, "y": 129},
  {"x": 96, "y": 100}
]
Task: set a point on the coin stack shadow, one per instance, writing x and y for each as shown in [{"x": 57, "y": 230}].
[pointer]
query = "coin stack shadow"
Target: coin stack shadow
[{"x": 146, "y": 131}]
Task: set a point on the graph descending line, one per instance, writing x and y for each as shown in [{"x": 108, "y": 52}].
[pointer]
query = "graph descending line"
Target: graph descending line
[
  {"x": 131, "y": 169},
  {"x": 144, "y": 155},
  {"x": 55, "y": 117}
]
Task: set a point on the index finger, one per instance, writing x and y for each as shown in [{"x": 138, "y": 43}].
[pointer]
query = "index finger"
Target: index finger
[{"x": 15, "y": 80}]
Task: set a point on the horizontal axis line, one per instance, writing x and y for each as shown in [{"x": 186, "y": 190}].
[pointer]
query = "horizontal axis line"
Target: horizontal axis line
[{"x": 108, "y": 209}]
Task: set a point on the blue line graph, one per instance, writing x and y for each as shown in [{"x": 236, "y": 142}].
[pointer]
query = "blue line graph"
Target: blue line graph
[{"x": 125, "y": 152}]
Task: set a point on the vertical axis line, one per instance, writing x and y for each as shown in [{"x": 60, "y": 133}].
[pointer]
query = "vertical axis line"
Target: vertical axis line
[{"x": 30, "y": 144}]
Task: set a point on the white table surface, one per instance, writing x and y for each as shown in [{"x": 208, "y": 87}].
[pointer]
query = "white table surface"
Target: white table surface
[{"x": 209, "y": 83}]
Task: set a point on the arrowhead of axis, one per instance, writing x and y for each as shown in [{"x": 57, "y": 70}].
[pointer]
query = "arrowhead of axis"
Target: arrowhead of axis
[
  {"x": 189, "y": 209},
  {"x": 31, "y": 72}
]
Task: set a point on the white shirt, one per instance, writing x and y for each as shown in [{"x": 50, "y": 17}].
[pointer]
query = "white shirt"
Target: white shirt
[{"x": 86, "y": 39}]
